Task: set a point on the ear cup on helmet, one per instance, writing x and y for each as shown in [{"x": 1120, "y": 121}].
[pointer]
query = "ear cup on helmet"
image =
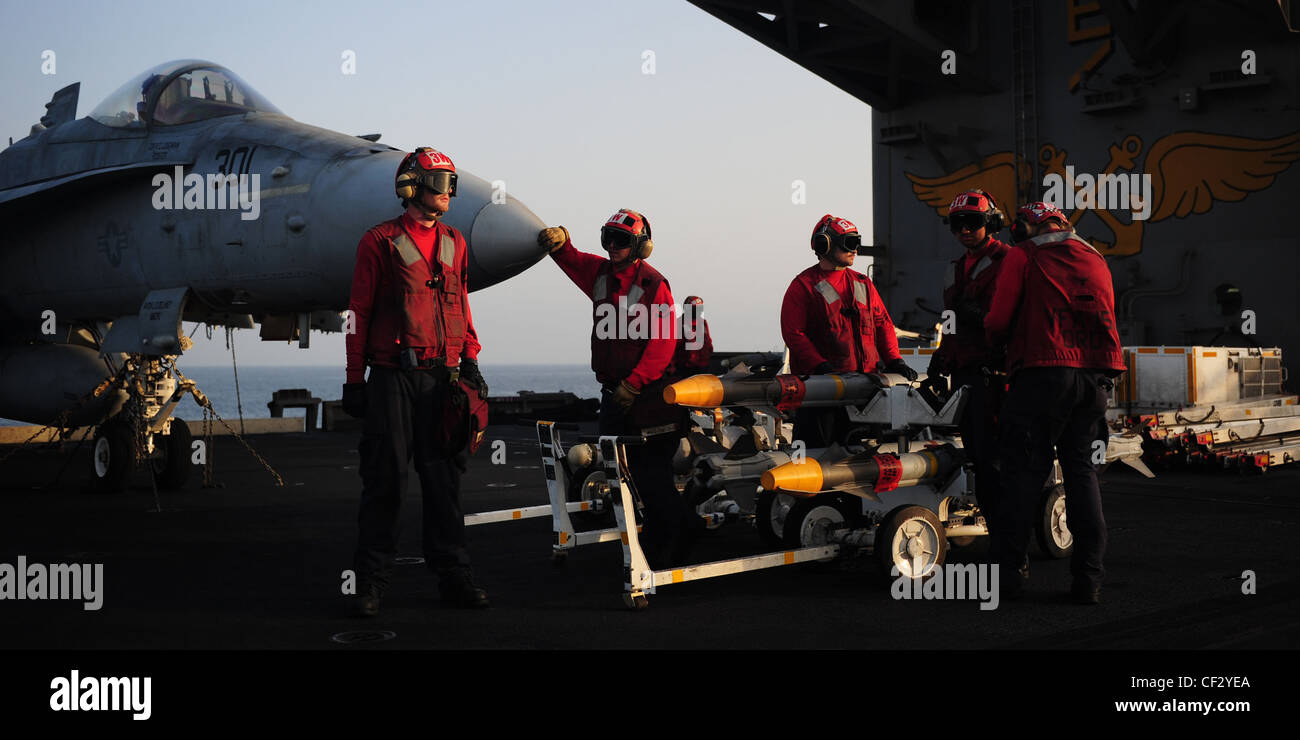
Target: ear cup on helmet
[
  {"x": 645, "y": 244},
  {"x": 821, "y": 242},
  {"x": 405, "y": 185},
  {"x": 995, "y": 218}
]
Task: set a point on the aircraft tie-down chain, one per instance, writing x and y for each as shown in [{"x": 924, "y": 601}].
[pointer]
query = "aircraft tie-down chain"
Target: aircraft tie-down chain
[{"x": 203, "y": 401}]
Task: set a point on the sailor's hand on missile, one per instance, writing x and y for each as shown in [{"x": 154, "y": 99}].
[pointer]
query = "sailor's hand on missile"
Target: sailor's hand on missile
[
  {"x": 553, "y": 238},
  {"x": 900, "y": 367},
  {"x": 823, "y": 368},
  {"x": 354, "y": 399},
  {"x": 470, "y": 373},
  {"x": 625, "y": 395}
]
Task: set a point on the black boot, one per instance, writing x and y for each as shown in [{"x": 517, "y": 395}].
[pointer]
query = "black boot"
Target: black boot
[
  {"x": 1084, "y": 593},
  {"x": 457, "y": 587},
  {"x": 366, "y": 603}
]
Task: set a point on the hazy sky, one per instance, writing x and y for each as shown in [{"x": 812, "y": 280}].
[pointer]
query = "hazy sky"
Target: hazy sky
[{"x": 552, "y": 98}]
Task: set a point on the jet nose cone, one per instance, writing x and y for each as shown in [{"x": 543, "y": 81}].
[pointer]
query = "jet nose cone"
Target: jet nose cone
[{"x": 503, "y": 242}]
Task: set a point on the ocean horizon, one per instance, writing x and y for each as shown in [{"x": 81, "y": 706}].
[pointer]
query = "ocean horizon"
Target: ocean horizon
[{"x": 258, "y": 382}]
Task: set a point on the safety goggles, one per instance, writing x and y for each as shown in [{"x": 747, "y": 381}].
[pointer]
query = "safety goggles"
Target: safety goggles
[
  {"x": 440, "y": 182},
  {"x": 969, "y": 221},
  {"x": 615, "y": 239},
  {"x": 849, "y": 243}
]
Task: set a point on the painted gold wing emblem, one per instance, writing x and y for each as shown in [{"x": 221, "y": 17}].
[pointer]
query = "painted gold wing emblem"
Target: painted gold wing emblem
[
  {"x": 1191, "y": 170},
  {"x": 995, "y": 174}
]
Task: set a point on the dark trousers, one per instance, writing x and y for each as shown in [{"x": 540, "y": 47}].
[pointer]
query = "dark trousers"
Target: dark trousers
[
  {"x": 667, "y": 527},
  {"x": 979, "y": 435},
  {"x": 1061, "y": 409},
  {"x": 403, "y": 408}
]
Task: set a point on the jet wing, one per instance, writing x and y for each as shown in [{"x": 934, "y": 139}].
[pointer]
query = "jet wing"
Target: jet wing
[
  {"x": 84, "y": 149},
  {"x": 13, "y": 194}
]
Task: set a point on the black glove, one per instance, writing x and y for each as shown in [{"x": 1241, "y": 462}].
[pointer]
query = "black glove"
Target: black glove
[
  {"x": 937, "y": 384},
  {"x": 938, "y": 366},
  {"x": 823, "y": 368},
  {"x": 900, "y": 367},
  {"x": 354, "y": 400},
  {"x": 470, "y": 373}
]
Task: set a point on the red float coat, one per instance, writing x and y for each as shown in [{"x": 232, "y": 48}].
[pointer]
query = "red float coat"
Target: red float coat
[
  {"x": 394, "y": 308},
  {"x": 1054, "y": 305},
  {"x": 687, "y": 360},
  {"x": 817, "y": 328},
  {"x": 616, "y": 355},
  {"x": 970, "y": 280}
]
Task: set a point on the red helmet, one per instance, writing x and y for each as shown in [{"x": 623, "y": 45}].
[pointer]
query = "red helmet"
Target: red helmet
[
  {"x": 976, "y": 202},
  {"x": 833, "y": 231},
  {"x": 627, "y": 228},
  {"x": 428, "y": 168},
  {"x": 693, "y": 300},
  {"x": 1034, "y": 213}
]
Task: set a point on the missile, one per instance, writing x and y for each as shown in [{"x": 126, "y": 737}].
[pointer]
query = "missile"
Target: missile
[
  {"x": 783, "y": 391},
  {"x": 878, "y": 472}
]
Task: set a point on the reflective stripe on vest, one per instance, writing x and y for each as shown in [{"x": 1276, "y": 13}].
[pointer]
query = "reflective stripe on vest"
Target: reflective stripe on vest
[
  {"x": 598, "y": 289},
  {"x": 410, "y": 253},
  {"x": 980, "y": 266},
  {"x": 447, "y": 250},
  {"x": 828, "y": 292},
  {"x": 1060, "y": 236},
  {"x": 407, "y": 249},
  {"x": 860, "y": 292},
  {"x": 634, "y": 294}
]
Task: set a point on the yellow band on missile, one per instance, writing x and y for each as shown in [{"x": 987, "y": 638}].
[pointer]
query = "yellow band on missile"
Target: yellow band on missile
[
  {"x": 803, "y": 476},
  {"x": 700, "y": 391}
]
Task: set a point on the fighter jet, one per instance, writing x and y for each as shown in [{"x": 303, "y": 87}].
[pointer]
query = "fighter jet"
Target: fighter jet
[{"x": 186, "y": 195}]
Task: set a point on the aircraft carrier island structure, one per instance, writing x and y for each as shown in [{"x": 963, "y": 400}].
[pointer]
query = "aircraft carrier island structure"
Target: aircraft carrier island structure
[{"x": 1169, "y": 131}]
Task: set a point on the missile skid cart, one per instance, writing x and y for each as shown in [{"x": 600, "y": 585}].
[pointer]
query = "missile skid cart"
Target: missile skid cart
[{"x": 918, "y": 497}]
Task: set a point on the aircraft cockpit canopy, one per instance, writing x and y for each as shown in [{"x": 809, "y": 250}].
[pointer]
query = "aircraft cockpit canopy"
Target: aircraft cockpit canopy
[{"x": 179, "y": 92}]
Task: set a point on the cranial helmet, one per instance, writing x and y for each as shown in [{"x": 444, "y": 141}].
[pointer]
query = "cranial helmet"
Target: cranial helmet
[
  {"x": 627, "y": 228},
  {"x": 1032, "y": 214},
  {"x": 426, "y": 168},
  {"x": 831, "y": 231},
  {"x": 979, "y": 203}
]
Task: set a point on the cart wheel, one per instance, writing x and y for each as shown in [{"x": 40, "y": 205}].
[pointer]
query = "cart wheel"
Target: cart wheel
[
  {"x": 112, "y": 460},
  {"x": 635, "y": 603},
  {"x": 770, "y": 512},
  {"x": 911, "y": 539},
  {"x": 172, "y": 467},
  {"x": 588, "y": 484},
  {"x": 809, "y": 520},
  {"x": 1054, "y": 537}
]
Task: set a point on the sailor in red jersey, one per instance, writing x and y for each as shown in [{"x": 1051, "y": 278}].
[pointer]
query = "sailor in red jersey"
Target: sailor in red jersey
[
  {"x": 965, "y": 354},
  {"x": 694, "y": 345},
  {"x": 1054, "y": 307},
  {"x": 633, "y": 340},
  {"x": 411, "y": 326},
  {"x": 834, "y": 321}
]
